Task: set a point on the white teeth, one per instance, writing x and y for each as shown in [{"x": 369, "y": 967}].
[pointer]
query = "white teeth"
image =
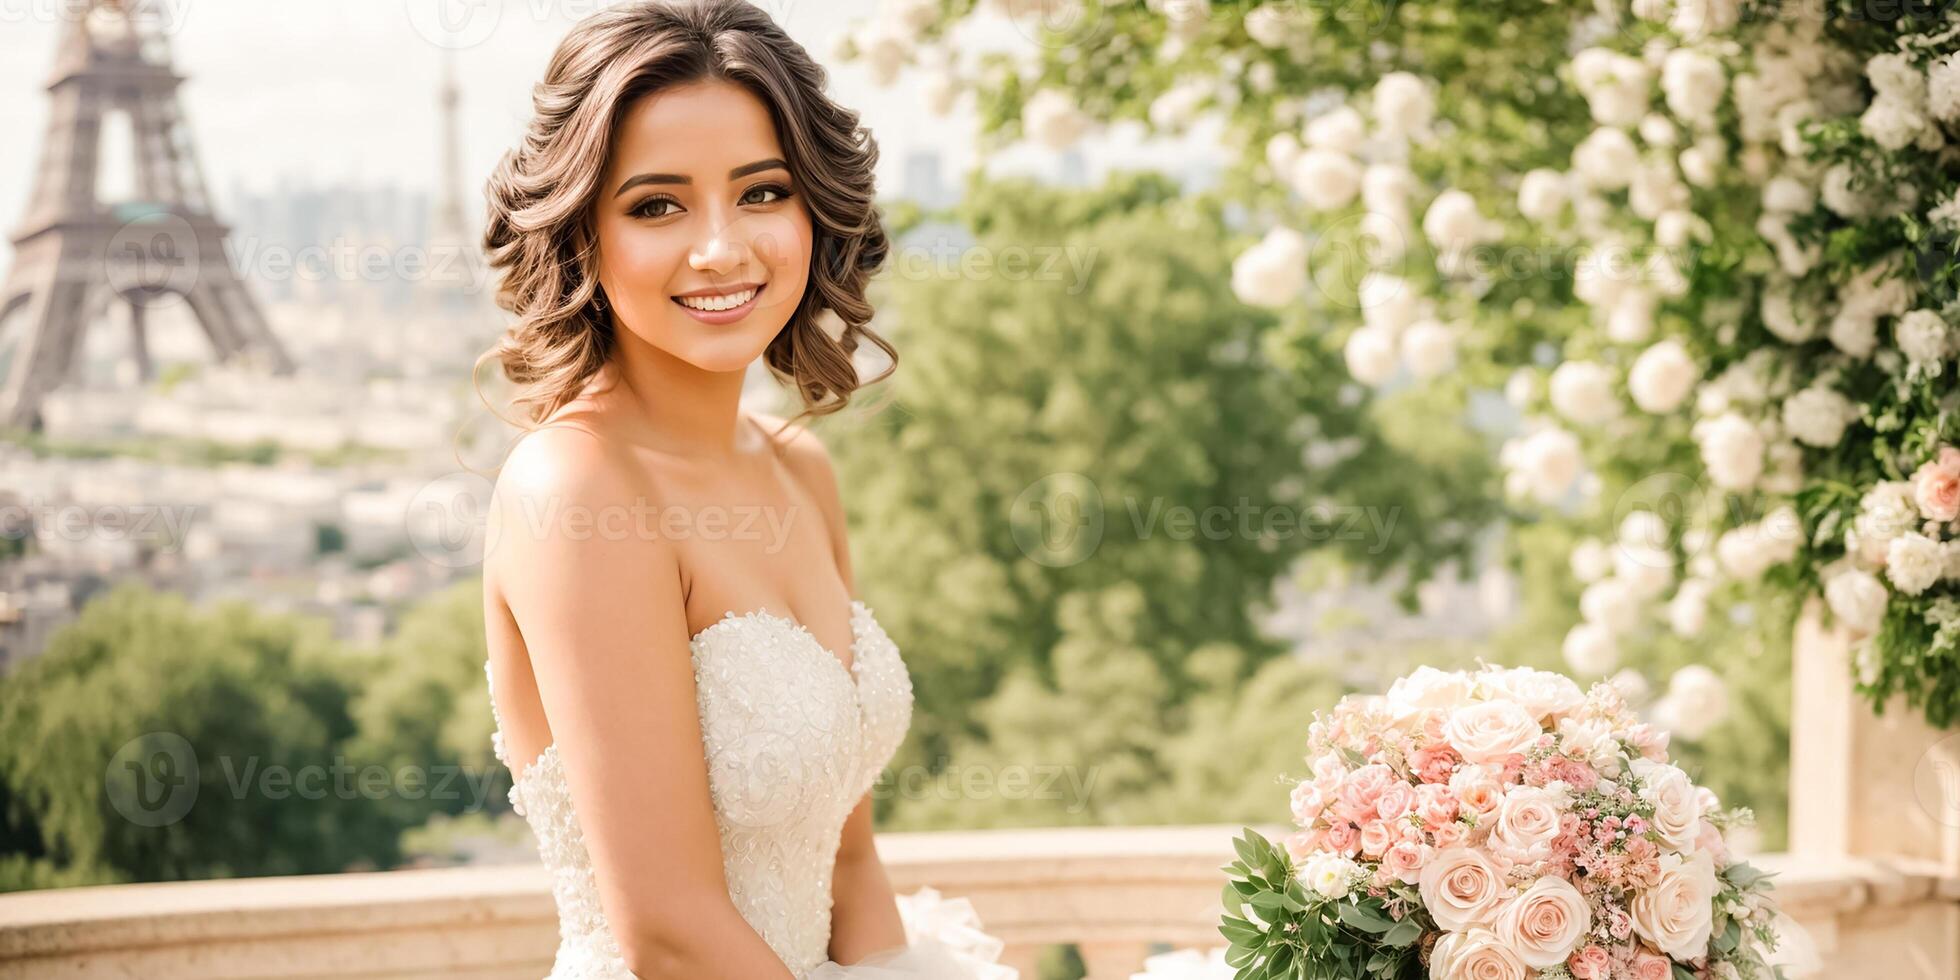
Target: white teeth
[{"x": 711, "y": 304}]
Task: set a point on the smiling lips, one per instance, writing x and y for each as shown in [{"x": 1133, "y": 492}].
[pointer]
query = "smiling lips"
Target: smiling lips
[{"x": 717, "y": 302}]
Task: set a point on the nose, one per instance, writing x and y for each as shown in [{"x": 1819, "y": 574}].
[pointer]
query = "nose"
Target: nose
[{"x": 722, "y": 253}]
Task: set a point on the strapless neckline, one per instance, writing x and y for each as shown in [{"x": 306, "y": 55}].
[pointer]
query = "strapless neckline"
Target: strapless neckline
[{"x": 730, "y": 620}]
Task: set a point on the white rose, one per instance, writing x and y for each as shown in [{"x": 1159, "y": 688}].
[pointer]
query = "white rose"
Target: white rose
[
  {"x": 1893, "y": 123},
  {"x": 1590, "y": 650},
  {"x": 1924, "y": 338},
  {"x": 1491, "y": 731},
  {"x": 1697, "y": 700},
  {"x": 1589, "y": 739},
  {"x": 1385, "y": 187},
  {"x": 1677, "y": 914},
  {"x": 1453, "y": 222},
  {"x": 1461, "y": 888},
  {"x": 1693, "y": 84},
  {"x": 1403, "y": 103},
  {"x": 1388, "y": 302},
  {"x": 1541, "y": 194},
  {"x": 1527, "y": 823},
  {"x": 1611, "y": 603},
  {"x": 1329, "y": 874},
  {"x": 1858, "y": 599},
  {"x": 1370, "y": 355},
  {"x": 1606, "y": 159},
  {"x": 1429, "y": 349},
  {"x": 1053, "y": 120},
  {"x": 1583, "y": 392},
  {"x": 1676, "y": 229},
  {"x": 1545, "y": 695},
  {"x": 1914, "y": 562},
  {"x": 1943, "y": 87},
  {"x": 1428, "y": 688},
  {"x": 1590, "y": 561},
  {"x": 1267, "y": 25},
  {"x": 1616, "y": 86},
  {"x": 1272, "y": 272},
  {"x": 1476, "y": 955},
  {"x": 1326, "y": 179},
  {"x": 1340, "y": 130},
  {"x": 1702, "y": 162},
  {"x": 1844, "y": 199},
  {"x": 1732, "y": 450},
  {"x": 1854, "y": 332},
  {"x": 1687, "y": 612},
  {"x": 1631, "y": 319},
  {"x": 1788, "y": 195},
  {"x": 1677, "y": 806},
  {"x": 1281, "y": 151},
  {"x": 1546, "y": 923},
  {"x": 1647, "y": 571},
  {"x": 1550, "y": 461},
  {"x": 1662, "y": 377},
  {"x": 1817, "y": 416},
  {"x": 1791, "y": 323}
]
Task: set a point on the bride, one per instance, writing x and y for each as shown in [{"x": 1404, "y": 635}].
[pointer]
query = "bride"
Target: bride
[{"x": 693, "y": 706}]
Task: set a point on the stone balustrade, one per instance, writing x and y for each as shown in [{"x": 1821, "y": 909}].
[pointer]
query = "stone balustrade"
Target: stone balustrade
[{"x": 1116, "y": 893}]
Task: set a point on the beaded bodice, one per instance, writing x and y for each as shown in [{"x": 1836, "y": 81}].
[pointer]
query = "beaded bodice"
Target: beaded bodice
[{"x": 794, "y": 739}]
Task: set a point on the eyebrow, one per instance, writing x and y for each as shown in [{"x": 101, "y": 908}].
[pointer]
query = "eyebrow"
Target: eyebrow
[{"x": 736, "y": 174}]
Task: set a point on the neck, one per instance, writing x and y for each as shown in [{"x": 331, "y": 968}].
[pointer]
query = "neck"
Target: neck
[{"x": 685, "y": 410}]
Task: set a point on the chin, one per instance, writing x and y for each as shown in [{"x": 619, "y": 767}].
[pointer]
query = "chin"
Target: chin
[{"x": 729, "y": 348}]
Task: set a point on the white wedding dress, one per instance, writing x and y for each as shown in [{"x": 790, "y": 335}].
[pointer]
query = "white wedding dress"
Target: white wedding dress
[{"x": 794, "y": 740}]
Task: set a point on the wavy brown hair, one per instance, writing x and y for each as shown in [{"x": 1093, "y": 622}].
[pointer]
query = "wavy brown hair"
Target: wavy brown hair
[{"x": 540, "y": 231}]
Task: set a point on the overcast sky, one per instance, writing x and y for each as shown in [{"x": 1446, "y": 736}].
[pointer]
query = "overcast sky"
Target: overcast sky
[{"x": 325, "y": 91}]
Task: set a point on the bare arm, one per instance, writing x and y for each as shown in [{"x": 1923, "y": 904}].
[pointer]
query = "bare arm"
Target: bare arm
[
  {"x": 601, "y": 610},
  {"x": 864, "y": 918}
]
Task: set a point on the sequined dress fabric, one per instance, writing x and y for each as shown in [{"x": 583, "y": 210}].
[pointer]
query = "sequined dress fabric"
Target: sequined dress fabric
[{"x": 794, "y": 739}]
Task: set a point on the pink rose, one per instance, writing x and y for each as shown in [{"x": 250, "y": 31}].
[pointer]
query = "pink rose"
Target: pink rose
[
  {"x": 1404, "y": 861},
  {"x": 1450, "y": 835},
  {"x": 1476, "y": 791},
  {"x": 1647, "y": 966},
  {"x": 1435, "y": 806},
  {"x": 1343, "y": 838},
  {"x": 1362, "y": 786},
  {"x": 1475, "y": 955},
  {"x": 1396, "y": 801},
  {"x": 1461, "y": 888},
  {"x": 1545, "y": 923},
  {"x": 1590, "y": 963},
  {"x": 1936, "y": 486},
  {"x": 1376, "y": 839},
  {"x": 1308, "y": 801},
  {"x": 1433, "y": 762},
  {"x": 1492, "y": 731}
]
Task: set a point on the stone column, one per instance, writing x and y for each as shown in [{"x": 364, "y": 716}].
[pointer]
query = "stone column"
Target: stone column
[{"x": 1879, "y": 796}]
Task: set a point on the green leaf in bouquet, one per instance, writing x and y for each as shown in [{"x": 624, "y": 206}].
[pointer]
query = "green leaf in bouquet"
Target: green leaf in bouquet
[
  {"x": 1281, "y": 964},
  {"x": 1729, "y": 938},
  {"x": 1402, "y": 934},
  {"x": 1682, "y": 972},
  {"x": 1229, "y": 897},
  {"x": 1269, "y": 901},
  {"x": 1362, "y": 919},
  {"x": 1743, "y": 875},
  {"x": 1240, "y": 933}
]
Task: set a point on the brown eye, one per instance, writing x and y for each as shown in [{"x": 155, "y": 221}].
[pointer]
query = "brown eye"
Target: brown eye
[
  {"x": 781, "y": 192},
  {"x": 652, "y": 207}
]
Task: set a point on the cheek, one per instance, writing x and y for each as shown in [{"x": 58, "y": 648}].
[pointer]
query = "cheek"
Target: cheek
[{"x": 782, "y": 245}]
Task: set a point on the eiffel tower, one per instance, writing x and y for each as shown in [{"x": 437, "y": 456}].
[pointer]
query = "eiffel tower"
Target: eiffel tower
[{"x": 75, "y": 254}]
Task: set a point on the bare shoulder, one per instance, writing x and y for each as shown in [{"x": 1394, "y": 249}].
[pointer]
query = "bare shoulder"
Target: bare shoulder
[
  {"x": 562, "y": 486},
  {"x": 804, "y": 454}
]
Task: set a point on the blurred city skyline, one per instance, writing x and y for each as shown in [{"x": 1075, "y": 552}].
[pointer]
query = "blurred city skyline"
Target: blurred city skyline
[{"x": 285, "y": 97}]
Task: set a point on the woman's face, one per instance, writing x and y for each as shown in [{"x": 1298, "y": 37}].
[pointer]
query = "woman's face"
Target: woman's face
[{"x": 704, "y": 244}]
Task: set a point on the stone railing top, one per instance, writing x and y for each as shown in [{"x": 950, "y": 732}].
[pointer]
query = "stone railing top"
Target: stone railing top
[{"x": 1021, "y": 862}]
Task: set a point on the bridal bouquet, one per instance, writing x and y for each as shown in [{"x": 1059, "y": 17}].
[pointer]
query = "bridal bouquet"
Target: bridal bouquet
[{"x": 1497, "y": 825}]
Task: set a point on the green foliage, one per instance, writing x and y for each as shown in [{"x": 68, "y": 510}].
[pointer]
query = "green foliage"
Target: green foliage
[
  {"x": 1139, "y": 381},
  {"x": 246, "y": 693},
  {"x": 1279, "y": 929}
]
